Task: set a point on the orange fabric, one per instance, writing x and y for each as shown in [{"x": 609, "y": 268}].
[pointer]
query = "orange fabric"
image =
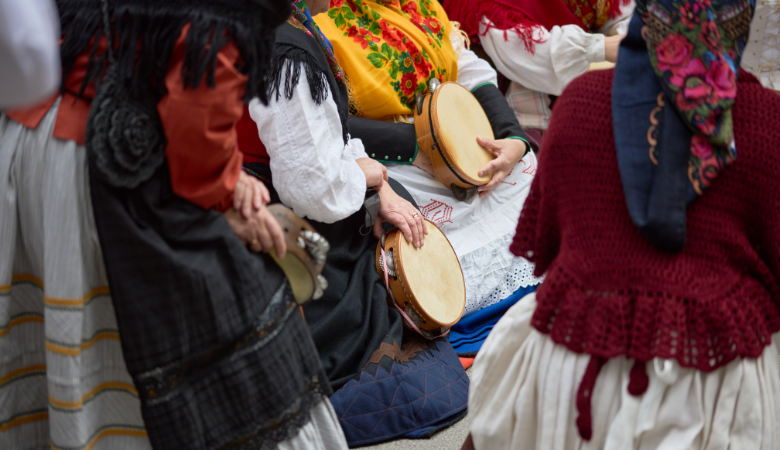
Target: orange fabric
[
  {"x": 466, "y": 362},
  {"x": 203, "y": 155},
  {"x": 71, "y": 123}
]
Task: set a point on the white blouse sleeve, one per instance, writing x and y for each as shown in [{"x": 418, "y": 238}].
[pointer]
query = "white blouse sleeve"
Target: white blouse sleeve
[
  {"x": 313, "y": 171},
  {"x": 473, "y": 71},
  {"x": 29, "y": 51},
  {"x": 565, "y": 53}
]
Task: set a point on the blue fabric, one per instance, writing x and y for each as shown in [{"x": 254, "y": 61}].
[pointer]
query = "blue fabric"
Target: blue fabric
[
  {"x": 427, "y": 432},
  {"x": 411, "y": 399},
  {"x": 656, "y": 196},
  {"x": 468, "y": 335}
]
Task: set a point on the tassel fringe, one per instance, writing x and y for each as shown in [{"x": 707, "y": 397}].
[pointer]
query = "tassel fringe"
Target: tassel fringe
[
  {"x": 286, "y": 68},
  {"x": 146, "y": 32}
]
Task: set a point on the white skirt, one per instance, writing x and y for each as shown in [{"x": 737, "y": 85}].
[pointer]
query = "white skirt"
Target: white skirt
[
  {"x": 322, "y": 432},
  {"x": 524, "y": 388},
  {"x": 480, "y": 230}
]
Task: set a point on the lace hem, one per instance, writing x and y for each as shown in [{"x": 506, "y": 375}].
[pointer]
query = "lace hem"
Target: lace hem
[
  {"x": 492, "y": 274},
  {"x": 705, "y": 332},
  {"x": 269, "y": 435}
]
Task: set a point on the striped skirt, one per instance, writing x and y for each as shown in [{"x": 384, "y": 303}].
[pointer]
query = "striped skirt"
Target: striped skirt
[{"x": 63, "y": 380}]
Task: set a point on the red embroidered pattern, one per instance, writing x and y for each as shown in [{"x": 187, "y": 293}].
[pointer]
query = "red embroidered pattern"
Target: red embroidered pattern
[{"x": 437, "y": 212}]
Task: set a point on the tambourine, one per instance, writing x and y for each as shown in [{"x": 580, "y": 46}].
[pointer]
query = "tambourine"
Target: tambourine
[
  {"x": 425, "y": 284},
  {"x": 307, "y": 251},
  {"x": 447, "y": 122}
]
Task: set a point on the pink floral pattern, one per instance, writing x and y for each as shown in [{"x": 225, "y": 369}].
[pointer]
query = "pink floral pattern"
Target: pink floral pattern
[{"x": 694, "y": 60}]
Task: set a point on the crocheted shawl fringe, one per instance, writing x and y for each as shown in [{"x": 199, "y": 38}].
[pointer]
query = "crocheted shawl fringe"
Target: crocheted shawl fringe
[
  {"x": 503, "y": 15},
  {"x": 145, "y": 33}
]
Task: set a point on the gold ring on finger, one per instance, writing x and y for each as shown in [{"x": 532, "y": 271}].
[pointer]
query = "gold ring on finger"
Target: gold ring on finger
[{"x": 254, "y": 241}]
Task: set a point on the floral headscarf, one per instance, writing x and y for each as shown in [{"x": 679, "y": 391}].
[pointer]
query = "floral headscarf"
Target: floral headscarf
[
  {"x": 675, "y": 84},
  {"x": 301, "y": 18}
]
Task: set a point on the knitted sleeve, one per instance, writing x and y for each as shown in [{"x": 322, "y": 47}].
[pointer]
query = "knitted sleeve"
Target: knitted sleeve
[
  {"x": 756, "y": 130},
  {"x": 537, "y": 238},
  {"x": 571, "y": 150}
]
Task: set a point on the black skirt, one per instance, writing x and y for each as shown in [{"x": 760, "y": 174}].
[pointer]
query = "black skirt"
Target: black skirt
[
  {"x": 353, "y": 318},
  {"x": 211, "y": 334}
]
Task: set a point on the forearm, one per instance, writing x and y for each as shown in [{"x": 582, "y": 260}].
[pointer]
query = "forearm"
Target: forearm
[
  {"x": 563, "y": 54},
  {"x": 386, "y": 142}
]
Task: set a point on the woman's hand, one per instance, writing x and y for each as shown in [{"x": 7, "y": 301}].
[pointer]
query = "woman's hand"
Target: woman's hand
[
  {"x": 260, "y": 231},
  {"x": 423, "y": 161},
  {"x": 249, "y": 195},
  {"x": 402, "y": 214},
  {"x": 508, "y": 153},
  {"x": 612, "y": 46},
  {"x": 375, "y": 172}
]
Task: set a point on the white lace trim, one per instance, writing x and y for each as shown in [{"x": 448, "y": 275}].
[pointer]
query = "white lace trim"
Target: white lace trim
[{"x": 492, "y": 274}]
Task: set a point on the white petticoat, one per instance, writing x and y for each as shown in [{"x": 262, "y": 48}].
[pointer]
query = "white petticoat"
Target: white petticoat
[
  {"x": 524, "y": 388},
  {"x": 480, "y": 230},
  {"x": 322, "y": 432}
]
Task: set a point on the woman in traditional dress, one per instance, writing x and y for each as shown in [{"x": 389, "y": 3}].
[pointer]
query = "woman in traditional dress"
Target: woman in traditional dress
[
  {"x": 383, "y": 379},
  {"x": 216, "y": 352},
  {"x": 541, "y": 46},
  {"x": 655, "y": 216},
  {"x": 389, "y": 52},
  {"x": 762, "y": 55}
]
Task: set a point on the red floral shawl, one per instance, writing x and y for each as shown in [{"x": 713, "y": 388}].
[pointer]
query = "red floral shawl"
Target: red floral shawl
[{"x": 525, "y": 15}]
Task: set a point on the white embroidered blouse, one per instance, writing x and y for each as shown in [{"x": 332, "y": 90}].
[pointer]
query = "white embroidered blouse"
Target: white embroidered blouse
[
  {"x": 565, "y": 54},
  {"x": 314, "y": 172}
]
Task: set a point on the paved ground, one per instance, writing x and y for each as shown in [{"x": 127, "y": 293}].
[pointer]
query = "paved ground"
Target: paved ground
[{"x": 449, "y": 439}]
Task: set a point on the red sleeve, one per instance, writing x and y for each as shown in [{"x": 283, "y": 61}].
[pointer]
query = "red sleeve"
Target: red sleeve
[{"x": 200, "y": 124}]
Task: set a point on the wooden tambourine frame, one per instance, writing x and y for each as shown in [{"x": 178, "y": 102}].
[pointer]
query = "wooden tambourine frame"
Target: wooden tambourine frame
[
  {"x": 431, "y": 315},
  {"x": 456, "y": 170},
  {"x": 306, "y": 254}
]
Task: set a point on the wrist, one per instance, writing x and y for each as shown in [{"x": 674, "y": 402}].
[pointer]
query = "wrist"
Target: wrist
[
  {"x": 522, "y": 146},
  {"x": 385, "y": 191}
]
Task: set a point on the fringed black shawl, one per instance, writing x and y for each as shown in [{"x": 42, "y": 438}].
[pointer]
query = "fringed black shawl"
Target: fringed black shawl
[
  {"x": 298, "y": 53},
  {"x": 145, "y": 32}
]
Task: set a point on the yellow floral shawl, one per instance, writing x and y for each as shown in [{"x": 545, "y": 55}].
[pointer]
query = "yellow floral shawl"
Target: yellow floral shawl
[{"x": 389, "y": 51}]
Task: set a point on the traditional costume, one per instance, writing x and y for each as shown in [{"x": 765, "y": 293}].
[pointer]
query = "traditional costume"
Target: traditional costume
[
  {"x": 389, "y": 51},
  {"x": 657, "y": 324},
  {"x": 762, "y": 54},
  {"x": 387, "y": 385},
  {"x": 541, "y": 46},
  {"x": 217, "y": 353}
]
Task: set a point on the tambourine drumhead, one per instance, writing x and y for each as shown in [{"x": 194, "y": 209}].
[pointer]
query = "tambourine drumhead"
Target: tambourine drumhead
[
  {"x": 434, "y": 275},
  {"x": 460, "y": 120},
  {"x": 301, "y": 281}
]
